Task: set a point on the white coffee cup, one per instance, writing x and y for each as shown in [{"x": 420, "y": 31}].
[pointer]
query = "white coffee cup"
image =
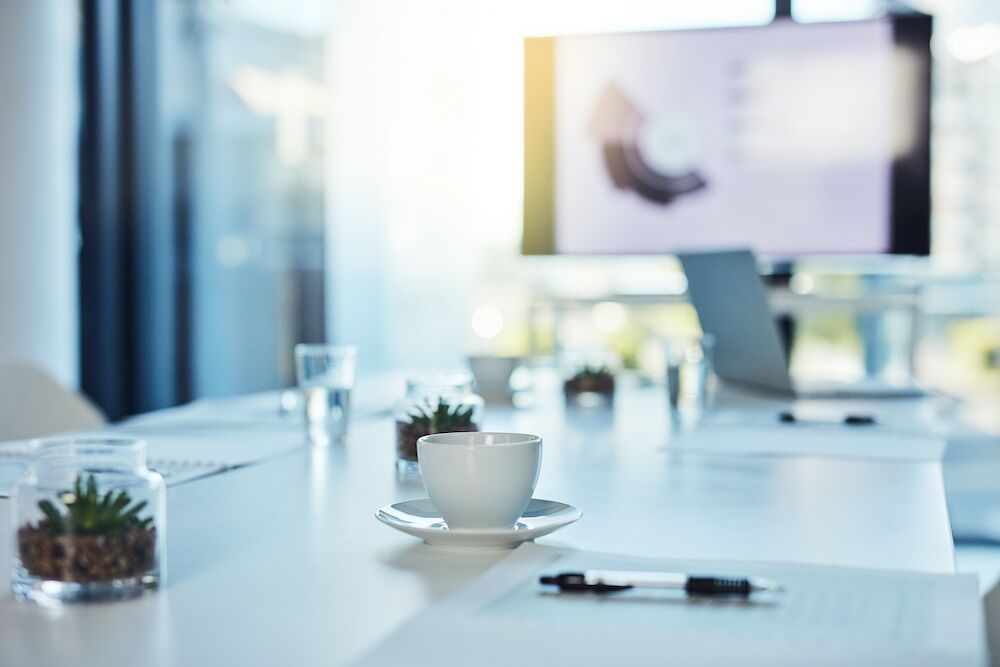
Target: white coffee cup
[{"x": 480, "y": 480}]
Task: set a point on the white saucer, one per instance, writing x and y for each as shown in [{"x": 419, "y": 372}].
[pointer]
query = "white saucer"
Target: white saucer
[{"x": 420, "y": 519}]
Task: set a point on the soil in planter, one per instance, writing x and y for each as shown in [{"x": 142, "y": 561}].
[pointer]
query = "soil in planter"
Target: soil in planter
[
  {"x": 407, "y": 434},
  {"x": 85, "y": 558},
  {"x": 590, "y": 383}
]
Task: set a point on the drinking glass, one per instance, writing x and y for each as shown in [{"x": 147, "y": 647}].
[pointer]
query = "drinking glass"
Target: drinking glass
[
  {"x": 690, "y": 383},
  {"x": 326, "y": 377}
]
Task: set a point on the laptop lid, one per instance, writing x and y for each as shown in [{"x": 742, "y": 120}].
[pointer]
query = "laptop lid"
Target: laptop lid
[{"x": 728, "y": 295}]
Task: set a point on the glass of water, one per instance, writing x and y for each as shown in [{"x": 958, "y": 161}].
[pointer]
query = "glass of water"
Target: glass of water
[
  {"x": 690, "y": 382},
  {"x": 326, "y": 376}
]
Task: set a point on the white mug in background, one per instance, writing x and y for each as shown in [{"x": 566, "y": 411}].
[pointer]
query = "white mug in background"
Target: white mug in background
[
  {"x": 480, "y": 480},
  {"x": 493, "y": 376}
]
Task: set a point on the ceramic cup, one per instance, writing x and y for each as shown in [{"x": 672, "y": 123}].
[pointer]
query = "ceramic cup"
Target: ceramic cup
[
  {"x": 480, "y": 480},
  {"x": 493, "y": 374}
]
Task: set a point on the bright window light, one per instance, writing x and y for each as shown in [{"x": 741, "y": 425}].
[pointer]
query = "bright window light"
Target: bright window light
[{"x": 487, "y": 321}]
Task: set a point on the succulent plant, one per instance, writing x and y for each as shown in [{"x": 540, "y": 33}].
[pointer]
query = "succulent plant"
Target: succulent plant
[
  {"x": 591, "y": 379},
  {"x": 594, "y": 372},
  {"x": 88, "y": 513},
  {"x": 443, "y": 417}
]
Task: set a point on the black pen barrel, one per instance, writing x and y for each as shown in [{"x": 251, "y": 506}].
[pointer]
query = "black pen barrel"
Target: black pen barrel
[{"x": 717, "y": 586}]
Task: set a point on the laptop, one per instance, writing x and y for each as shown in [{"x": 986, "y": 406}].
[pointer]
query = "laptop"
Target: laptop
[{"x": 728, "y": 295}]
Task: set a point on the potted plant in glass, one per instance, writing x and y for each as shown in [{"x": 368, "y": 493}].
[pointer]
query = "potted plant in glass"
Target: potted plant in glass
[
  {"x": 589, "y": 376},
  {"x": 440, "y": 403},
  {"x": 88, "y": 537},
  {"x": 89, "y": 519}
]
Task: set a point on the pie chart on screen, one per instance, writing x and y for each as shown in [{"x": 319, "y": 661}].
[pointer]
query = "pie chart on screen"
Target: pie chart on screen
[{"x": 655, "y": 157}]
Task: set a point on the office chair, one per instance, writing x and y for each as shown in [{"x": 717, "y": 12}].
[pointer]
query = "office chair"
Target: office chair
[{"x": 33, "y": 404}]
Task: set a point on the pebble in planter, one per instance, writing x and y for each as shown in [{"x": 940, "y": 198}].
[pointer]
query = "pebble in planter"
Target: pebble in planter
[
  {"x": 590, "y": 386},
  {"x": 89, "y": 538},
  {"x": 89, "y": 522},
  {"x": 434, "y": 403},
  {"x": 429, "y": 419}
]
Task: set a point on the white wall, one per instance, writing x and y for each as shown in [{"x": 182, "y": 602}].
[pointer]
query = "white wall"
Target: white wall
[
  {"x": 401, "y": 243},
  {"x": 38, "y": 193},
  {"x": 425, "y": 152}
]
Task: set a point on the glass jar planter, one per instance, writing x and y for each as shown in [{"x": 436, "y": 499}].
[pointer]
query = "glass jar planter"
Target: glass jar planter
[
  {"x": 436, "y": 403},
  {"x": 89, "y": 518},
  {"x": 589, "y": 377}
]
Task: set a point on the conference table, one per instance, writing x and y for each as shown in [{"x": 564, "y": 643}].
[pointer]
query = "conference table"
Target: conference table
[{"x": 281, "y": 561}]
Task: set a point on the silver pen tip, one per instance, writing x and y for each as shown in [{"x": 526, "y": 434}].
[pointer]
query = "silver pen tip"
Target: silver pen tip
[{"x": 766, "y": 586}]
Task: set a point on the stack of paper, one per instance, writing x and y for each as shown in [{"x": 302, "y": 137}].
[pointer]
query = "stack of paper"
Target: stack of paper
[
  {"x": 862, "y": 442},
  {"x": 179, "y": 455},
  {"x": 825, "y": 616},
  {"x": 280, "y": 410}
]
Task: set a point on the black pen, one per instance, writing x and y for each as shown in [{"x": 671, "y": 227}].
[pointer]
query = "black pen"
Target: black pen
[
  {"x": 787, "y": 417},
  {"x": 609, "y": 581}
]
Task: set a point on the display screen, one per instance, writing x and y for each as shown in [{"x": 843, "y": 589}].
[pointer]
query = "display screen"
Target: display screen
[{"x": 785, "y": 138}]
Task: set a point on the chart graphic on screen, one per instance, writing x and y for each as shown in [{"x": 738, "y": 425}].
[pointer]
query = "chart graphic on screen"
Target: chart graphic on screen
[
  {"x": 653, "y": 157},
  {"x": 787, "y": 138}
]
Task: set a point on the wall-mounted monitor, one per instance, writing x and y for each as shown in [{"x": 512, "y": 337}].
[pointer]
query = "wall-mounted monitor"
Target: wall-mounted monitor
[{"x": 792, "y": 139}]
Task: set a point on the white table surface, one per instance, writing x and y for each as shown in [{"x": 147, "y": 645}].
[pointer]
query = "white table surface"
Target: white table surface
[{"x": 284, "y": 563}]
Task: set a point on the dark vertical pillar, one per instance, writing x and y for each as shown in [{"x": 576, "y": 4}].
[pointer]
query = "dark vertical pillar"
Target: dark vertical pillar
[
  {"x": 147, "y": 207},
  {"x": 127, "y": 251},
  {"x": 105, "y": 312},
  {"x": 183, "y": 284}
]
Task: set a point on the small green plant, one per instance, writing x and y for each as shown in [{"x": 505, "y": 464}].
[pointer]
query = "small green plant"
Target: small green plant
[
  {"x": 89, "y": 513},
  {"x": 594, "y": 372},
  {"x": 439, "y": 416},
  {"x": 442, "y": 418}
]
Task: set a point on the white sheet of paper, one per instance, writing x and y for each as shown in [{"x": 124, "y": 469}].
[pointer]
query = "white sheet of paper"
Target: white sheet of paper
[
  {"x": 179, "y": 455},
  {"x": 829, "y": 442},
  {"x": 826, "y": 616},
  {"x": 264, "y": 411}
]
